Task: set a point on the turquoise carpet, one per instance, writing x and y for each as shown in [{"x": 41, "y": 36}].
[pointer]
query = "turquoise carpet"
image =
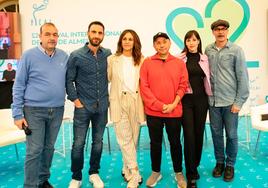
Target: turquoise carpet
[{"x": 250, "y": 171}]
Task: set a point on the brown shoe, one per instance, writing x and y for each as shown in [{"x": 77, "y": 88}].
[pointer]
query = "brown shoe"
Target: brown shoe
[
  {"x": 153, "y": 179},
  {"x": 228, "y": 174},
  {"x": 218, "y": 170}
]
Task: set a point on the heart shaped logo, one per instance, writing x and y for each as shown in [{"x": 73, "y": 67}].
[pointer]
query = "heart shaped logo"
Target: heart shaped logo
[{"x": 183, "y": 19}]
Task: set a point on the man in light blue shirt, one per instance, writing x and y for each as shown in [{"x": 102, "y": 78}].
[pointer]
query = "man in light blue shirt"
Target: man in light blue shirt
[
  {"x": 38, "y": 100},
  {"x": 229, "y": 82}
]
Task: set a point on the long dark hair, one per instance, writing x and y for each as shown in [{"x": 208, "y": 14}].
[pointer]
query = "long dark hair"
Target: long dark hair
[
  {"x": 136, "y": 51},
  {"x": 188, "y": 35}
]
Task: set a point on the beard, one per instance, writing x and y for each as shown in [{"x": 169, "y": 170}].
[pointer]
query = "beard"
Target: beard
[{"x": 95, "y": 41}]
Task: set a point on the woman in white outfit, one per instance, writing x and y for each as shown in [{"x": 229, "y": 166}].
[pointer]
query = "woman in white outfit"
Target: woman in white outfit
[{"x": 126, "y": 107}]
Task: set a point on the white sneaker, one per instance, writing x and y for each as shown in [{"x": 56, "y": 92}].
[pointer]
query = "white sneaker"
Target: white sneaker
[
  {"x": 96, "y": 181},
  {"x": 75, "y": 183}
]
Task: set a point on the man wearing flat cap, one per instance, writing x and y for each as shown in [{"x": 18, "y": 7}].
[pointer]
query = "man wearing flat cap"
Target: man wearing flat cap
[
  {"x": 218, "y": 23},
  {"x": 163, "y": 82},
  {"x": 229, "y": 82}
]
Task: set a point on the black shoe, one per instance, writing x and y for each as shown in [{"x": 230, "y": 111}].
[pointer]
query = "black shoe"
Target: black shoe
[
  {"x": 46, "y": 184},
  {"x": 218, "y": 170},
  {"x": 191, "y": 183},
  {"x": 228, "y": 174},
  {"x": 140, "y": 182}
]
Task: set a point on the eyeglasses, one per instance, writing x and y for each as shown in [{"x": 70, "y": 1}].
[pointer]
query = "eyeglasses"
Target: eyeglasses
[{"x": 218, "y": 29}]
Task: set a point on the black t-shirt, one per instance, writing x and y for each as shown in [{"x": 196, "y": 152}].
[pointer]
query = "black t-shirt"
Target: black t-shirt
[{"x": 9, "y": 75}]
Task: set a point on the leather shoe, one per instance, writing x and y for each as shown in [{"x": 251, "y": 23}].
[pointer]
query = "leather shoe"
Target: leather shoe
[
  {"x": 218, "y": 170},
  {"x": 228, "y": 173}
]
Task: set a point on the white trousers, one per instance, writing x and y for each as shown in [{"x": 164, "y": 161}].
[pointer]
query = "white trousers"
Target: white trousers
[{"x": 127, "y": 130}]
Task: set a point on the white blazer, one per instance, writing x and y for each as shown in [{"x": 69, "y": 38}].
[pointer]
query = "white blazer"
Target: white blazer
[{"x": 115, "y": 77}]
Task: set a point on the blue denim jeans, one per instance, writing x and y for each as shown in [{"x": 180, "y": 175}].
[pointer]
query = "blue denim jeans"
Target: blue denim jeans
[
  {"x": 222, "y": 118},
  {"x": 82, "y": 119},
  {"x": 45, "y": 124}
]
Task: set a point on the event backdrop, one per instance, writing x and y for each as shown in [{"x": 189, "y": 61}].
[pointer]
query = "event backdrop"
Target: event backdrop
[
  {"x": 10, "y": 40},
  {"x": 10, "y": 36},
  {"x": 248, "y": 20}
]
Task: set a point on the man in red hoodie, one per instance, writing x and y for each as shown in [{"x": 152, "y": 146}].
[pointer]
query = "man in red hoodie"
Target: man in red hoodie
[{"x": 163, "y": 82}]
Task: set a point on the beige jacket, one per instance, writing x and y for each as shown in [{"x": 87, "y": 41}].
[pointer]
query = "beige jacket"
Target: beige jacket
[{"x": 115, "y": 77}]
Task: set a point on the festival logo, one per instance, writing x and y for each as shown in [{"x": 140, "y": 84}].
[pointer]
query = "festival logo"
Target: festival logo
[
  {"x": 37, "y": 8},
  {"x": 183, "y": 19}
]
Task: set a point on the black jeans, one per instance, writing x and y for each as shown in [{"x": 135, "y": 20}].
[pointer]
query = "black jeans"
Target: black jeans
[
  {"x": 173, "y": 129},
  {"x": 193, "y": 121}
]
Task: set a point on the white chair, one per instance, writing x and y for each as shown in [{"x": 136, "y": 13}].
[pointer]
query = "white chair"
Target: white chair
[
  {"x": 68, "y": 117},
  {"x": 9, "y": 133},
  {"x": 66, "y": 121},
  {"x": 244, "y": 116},
  {"x": 258, "y": 121}
]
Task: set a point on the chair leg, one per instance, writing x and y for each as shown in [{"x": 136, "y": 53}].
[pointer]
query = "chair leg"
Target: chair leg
[
  {"x": 257, "y": 142},
  {"x": 16, "y": 149},
  {"x": 63, "y": 150},
  {"x": 108, "y": 138},
  {"x": 248, "y": 130}
]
